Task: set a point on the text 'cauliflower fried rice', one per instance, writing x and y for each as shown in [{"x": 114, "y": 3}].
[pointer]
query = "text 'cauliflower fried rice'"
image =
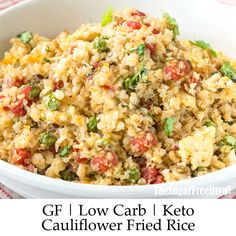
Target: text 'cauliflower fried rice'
[{"x": 122, "y": 102}]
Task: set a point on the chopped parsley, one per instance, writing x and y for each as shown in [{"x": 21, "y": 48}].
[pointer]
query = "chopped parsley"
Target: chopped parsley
[
  {"x": 172, "y": 24},
  {"x": 228, "y": 70},
  {"x": 46, "y": 60},
  {"x": 64, "y": 151},
  {"x": 25, "y": 37},
  {"x": 101, "y": 142},
  {"x": 169, "y": 126},
  {"x": 194, "y": 173},
  {"x": 47, "y": 139},
  {"x": 92, "y": 124},
  {"x": 134, "y": 175},
  {"x": 34, "y": 92},
  {"x": 209, "y": 123},
  {"x": 140, "y": 49},
  {"x": 230, "y": 141},
  {"x": 205, "y": 46},
  {"x": 48, "y": 49},
  {"x": 52, "y": 103},
  {"x": 107, "y": 16},
  {"x": 67, "y": 175},
  {"x": 101, "y": 44},
  {"x": 131, "y": 81}
]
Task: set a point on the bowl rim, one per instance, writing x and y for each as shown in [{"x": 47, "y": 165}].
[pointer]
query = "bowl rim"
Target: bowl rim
[{"x": 65, "y": 187}]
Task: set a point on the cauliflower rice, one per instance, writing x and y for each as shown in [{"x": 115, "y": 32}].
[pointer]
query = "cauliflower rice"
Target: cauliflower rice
[{"x": 119, "y": 103}]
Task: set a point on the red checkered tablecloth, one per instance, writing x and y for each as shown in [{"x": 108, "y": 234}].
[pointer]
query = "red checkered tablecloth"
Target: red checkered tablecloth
[{"x": 9, "y": 194}]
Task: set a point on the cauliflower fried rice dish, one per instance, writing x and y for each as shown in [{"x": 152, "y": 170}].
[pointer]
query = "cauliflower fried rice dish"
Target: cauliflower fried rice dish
[{"x": 121, "y": 102}]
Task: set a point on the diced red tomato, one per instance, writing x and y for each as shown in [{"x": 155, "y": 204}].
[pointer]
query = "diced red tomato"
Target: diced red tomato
[
  {"x": 103, "y": 161},
  {"x": 26, "y": 90},
  {"x": 176, "y": 147},
  {"x": 159, "y": 179},
  {"x": 18, "y": 82},
  {"x": 99, "y": 164},
  {"x": 177, "y": 69},
  {"x": 151, "y": 47},
  {"x": 155, "y": 31},
  {"x": 193, "y": 80},
  {"x": 108, "y": 87},
  {"x": 143, "y": 143},
  {"x": 81, "y": 160},
  {"x": 97, "y": 64},
  {"x": 137, "y": 13},
  {"x": 58, "y": 85},
  {"x": 147, "y": 24},
  {"x": 171, "y": 73},
  {"x": 1, "y": 96},
  {"x": 137, "y": 145},
  {"x": 76, "y": 149},
  {"x": 18, "y": 109},
  {"x": 150, "y": 175},
  {"x": 15, "y": 82},
  {"x": 150, "y": 139},
  {"x": 23, "y": 156},
  {"x": 5, "y": 108},
  {"x": 134, "y": 25},
  {"x": 72, "y": 48}
]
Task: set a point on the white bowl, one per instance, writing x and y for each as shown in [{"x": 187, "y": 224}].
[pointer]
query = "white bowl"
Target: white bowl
[{"x": 202, "y": 19}]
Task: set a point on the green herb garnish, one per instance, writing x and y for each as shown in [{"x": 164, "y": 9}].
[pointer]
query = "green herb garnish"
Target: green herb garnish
[
  {"x": 134, "y": 175},
  {"x": 34, "y": 92},
  {"x": 64, "y": 151},
  {"x": 92, "y": 124},
  {"x": 48, "y": 49},
  {"x": 25, "y": 36},
  {"x": 169, "y": 126},
  {"x": 47, "y": 139},
  {"x": 230, "y": 140},
  {"x": 205, "y": 46},
  {"x": 140, "y": 49},
  {"x": 228, "y": 70},
  {"x": 46, "y": 60},
  {"x": 101, "y": 44},
  {"x": 52, "y": 103},
  {"x": 131, "y": 81},
  {"x": 107, "y": 16},
  {"x": 209, "y": 123},
  {"x": 194, "y": 173},
  {"x": 67, "y": 175},
  {"x": 102, "y": 142},
  {"x": 172, "y": 24}
]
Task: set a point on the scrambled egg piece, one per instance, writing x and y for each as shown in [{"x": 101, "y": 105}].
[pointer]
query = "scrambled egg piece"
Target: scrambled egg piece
[{"x": 198, "y": 149}]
